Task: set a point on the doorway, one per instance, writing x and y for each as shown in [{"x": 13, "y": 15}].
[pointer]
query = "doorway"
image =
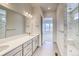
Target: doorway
[
  {"x": 47, "y": 38},
  {"x": 46, "y": 48},
  {"x": 47, "y": 30}
]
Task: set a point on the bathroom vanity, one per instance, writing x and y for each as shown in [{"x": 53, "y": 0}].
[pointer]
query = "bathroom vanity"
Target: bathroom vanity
[
  {"x": 21, "y": 45},
  {"x": 13, "y": 40}
]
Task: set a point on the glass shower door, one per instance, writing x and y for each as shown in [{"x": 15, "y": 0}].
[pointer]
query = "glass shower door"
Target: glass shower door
[{"x": 72, "y": 29}]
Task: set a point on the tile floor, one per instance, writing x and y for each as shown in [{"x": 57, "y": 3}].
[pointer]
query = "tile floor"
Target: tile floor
[
  {"x": 45, "y": 50},
  {"x": 48, "y": 48}
]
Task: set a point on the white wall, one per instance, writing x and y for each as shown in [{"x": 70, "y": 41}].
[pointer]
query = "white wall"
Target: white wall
[
  {"x": 60, "y": 28},
  {"x": 33, "y": 25}
]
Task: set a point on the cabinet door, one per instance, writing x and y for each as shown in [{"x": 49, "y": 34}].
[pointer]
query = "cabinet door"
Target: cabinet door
[
  {"x": 37, "y": 41},
  {"x": 19, "y": 53},
  {"x": 27, "y": 49},
  {"x": 27, "y": 43},
  {"x": 34, "y": 44},
  {"x": 29, "y": 53},
  {"x": 13, "y": 52}
]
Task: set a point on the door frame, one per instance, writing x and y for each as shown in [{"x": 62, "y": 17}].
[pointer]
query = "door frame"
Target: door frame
[{"x": 42, "y": 29}]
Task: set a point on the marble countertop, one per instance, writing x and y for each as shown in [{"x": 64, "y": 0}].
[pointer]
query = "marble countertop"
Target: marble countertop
[{"x": 15, "y": 41}]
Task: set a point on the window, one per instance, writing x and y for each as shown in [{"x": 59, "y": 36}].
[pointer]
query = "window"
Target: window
[{"x": 47, "y": 27}]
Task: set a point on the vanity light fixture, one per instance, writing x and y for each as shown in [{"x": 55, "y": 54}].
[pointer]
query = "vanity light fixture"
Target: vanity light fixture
[
  {"x": 27, "y": 14},
  {"x": 30, "y": 15}
]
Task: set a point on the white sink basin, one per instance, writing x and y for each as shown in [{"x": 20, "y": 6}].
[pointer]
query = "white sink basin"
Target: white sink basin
[{"x": 3, "y": 47}]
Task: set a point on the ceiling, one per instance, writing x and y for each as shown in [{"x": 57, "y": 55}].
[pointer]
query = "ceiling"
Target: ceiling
[{"x": 45, "y": 6}]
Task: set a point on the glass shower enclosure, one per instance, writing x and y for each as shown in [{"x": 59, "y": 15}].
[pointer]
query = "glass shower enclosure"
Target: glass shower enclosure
[{"x": 72, "y": 29}]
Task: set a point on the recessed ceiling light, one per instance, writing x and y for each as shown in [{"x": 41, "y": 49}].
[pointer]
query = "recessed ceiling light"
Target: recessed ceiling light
[{"x": 49, "y": 8}]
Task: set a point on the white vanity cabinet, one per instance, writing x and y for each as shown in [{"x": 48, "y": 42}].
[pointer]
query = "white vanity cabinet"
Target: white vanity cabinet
[
  {"x": 19, "y": 53},
  {"x": 35, "y": 43},
  {"x": 37, "y": 40},
  {"x": 27, "y": 48},
  {"x": 15, "y": 52}
]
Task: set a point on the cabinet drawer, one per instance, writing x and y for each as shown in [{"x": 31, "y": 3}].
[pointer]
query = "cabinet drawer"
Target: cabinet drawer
[
  {"x": 29, "y": 53},
  {"x": 35, "y": 44},
  {"x": 13, "y": 52},
  {"x": 27, "y": 49},
  {"x": 18, "y": 53},
  {"x": 27, "y": 43}
]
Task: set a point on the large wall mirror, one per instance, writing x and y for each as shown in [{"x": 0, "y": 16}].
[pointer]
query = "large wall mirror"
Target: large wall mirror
[
  {"x": 2, "y": 23},
  {"x": 11, "y": 23}
]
